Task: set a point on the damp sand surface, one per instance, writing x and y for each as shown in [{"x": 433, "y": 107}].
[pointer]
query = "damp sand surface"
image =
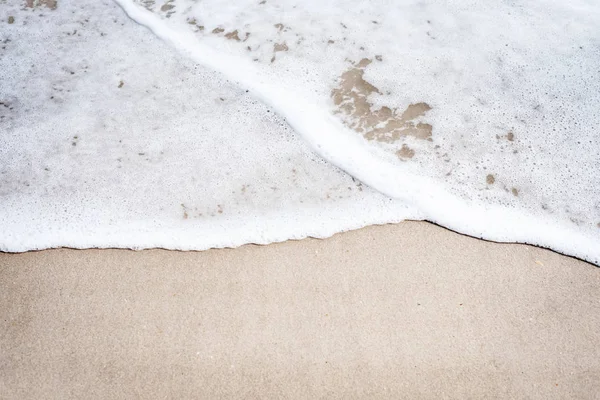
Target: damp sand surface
[{"x": 397, "y": 311}]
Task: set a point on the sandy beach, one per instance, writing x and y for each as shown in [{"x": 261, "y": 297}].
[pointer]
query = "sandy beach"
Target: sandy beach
[
  {"x": 397, "y": 311},
  {"x": 196, "y": 125}
]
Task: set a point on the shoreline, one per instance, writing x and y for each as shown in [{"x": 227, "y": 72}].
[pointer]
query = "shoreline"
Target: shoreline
[{"x": 310, "y": 237}]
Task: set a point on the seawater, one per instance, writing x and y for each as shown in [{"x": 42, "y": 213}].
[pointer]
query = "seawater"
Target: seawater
[{"x": 210, "y": 130}]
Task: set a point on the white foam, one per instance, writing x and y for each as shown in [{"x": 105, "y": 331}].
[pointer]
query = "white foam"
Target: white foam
[
  {"x": 112, "y": 139},
  {"x": 485, "y": 70}
]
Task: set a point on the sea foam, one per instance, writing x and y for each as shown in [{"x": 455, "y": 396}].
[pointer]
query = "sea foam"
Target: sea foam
[
  {"x": 461, "y": 111},
  {"x": 110, "y": 138}
]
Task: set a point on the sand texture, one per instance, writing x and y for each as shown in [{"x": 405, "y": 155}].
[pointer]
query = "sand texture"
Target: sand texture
[{"x": 397, "y": 311}]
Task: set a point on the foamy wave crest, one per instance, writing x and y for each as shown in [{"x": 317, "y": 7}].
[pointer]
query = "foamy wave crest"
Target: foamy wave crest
[
  {"x": 462, "y": 112},
  {"x": 461, "y": 109}
]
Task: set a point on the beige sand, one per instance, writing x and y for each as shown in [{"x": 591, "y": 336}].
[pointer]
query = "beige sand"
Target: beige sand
[{"x": 399, "y": 311}]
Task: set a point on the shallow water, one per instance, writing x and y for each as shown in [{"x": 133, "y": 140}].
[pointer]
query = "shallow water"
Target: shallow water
[
  {"x": 457, "y": 112},
  {"x": 112, "y": 139}
]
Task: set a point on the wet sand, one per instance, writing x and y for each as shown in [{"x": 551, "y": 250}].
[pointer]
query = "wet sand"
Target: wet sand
[{"x": 397, "y": 311}]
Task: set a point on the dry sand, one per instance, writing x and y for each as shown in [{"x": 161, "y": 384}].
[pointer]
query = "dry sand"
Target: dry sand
[{"x": 399, "y": 311}]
